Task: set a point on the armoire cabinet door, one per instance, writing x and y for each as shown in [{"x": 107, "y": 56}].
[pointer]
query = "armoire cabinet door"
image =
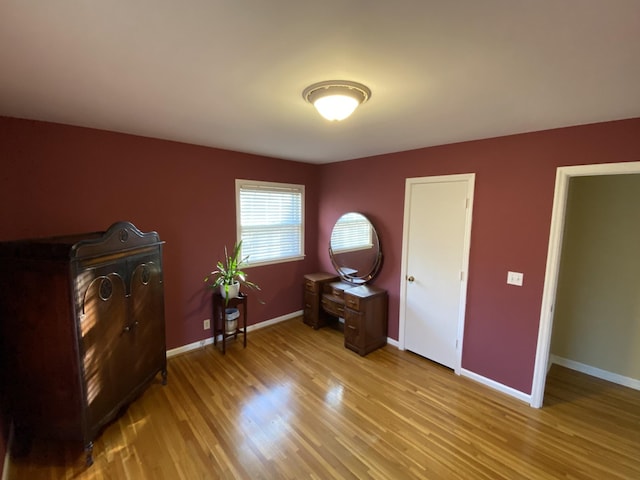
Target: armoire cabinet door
[
  {"x": 104, "y": 355},
  {"x": 147, "y": 314}
]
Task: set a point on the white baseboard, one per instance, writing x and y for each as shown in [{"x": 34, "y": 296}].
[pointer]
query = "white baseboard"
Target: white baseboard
[
  {"x": 512, "y": 392},
  {"x": 273, "y": 321},
  {"x": 187, "y": 348},
  {"x": 208, "y": 341},
  {"x": 596, "y": 372},
  {"x": 480, "y": 379}
]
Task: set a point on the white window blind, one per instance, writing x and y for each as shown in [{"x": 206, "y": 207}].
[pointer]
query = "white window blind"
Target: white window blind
[
  {"x": 352, "y": 232},
  {"x": 270, "y": 220}
]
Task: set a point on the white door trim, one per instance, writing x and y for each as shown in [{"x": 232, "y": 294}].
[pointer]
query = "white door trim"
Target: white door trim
[
  {"x": 470, "y": 179},
  {"x": 563, "y": 175}
]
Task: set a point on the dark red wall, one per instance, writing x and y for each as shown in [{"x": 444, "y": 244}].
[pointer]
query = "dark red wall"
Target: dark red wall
[
  {"x": 58, "y": 179},
  {"x": 515, "y": 180}
]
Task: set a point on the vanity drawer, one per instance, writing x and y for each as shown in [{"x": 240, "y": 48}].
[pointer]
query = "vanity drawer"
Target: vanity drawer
[
  {"x": 365, "y": 321},
  {"x": 311, "y": 286},
  {"x": 312, "y": 309},
  {"x": 352, "y": 302},
  {"x": 353, "y": 330},
  {"x": 336, "y": 289},
  {"x": 333, "y": 305},
  {"x": 310, "y": 316},
  {"x": 313, "y": 282},
  {"x": 311, "y": 299}
]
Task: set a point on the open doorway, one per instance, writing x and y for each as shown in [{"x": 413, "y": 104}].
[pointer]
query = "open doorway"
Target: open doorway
[
  {"x": 563, "y": 177},
  {"x": 596, "y": 323}
]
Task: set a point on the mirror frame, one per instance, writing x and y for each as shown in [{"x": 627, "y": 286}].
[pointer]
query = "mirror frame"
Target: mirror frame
[{"x": 375, "y": 267}]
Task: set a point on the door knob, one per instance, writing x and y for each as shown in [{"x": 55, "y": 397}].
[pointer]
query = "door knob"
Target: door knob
[{"x": 410, "y": 278}]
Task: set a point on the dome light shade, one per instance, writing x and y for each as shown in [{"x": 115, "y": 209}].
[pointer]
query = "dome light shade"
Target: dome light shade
[
  {"x": 336, "y": 99},
  {"x": 336, "y": 107}
]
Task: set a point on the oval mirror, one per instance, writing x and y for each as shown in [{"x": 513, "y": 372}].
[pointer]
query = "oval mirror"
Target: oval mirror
[{"x": 355, "y": 249}]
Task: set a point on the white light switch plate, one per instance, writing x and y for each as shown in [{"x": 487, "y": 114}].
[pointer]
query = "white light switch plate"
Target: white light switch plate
[{"x": 515, "y": 278}]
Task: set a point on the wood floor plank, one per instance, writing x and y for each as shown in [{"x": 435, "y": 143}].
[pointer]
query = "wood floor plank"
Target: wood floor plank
[{"x": 296, "y": 404}]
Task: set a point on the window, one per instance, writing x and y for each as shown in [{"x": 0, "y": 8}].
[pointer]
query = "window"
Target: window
[
  {"x": 351, "y": 232},
  {"x": 270, "y": 220}
]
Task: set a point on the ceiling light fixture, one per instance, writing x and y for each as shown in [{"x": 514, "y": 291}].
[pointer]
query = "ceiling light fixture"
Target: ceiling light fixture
[{"x": 336, "y": 99}]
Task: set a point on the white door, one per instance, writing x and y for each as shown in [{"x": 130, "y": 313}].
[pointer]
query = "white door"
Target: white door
[{"x": 436, "y": 245}]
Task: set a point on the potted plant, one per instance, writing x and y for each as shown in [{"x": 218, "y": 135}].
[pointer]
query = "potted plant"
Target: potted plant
[{"x": 228, "y": 275}]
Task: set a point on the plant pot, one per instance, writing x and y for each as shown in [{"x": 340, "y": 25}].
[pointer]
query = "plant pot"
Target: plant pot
[
  {"x": 231, "y": 320},
  {"x": 234, "y": 290}
]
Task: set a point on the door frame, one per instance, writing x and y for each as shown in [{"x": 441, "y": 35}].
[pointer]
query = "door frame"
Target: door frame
[
  {"x": 563, "y": 176},
  {"x": 469, "y": 178}
]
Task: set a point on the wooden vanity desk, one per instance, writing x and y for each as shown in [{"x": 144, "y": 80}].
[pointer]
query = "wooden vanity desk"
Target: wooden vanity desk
[
  {"x": 355, "y": 253},
  {"x": 364, "y": 309}
]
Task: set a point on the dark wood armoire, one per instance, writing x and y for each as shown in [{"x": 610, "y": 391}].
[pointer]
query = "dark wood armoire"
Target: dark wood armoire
[{"x": 81, "y": 330}]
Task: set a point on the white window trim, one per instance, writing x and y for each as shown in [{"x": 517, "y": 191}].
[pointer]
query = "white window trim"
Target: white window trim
[{"x": 239, "y": 183}]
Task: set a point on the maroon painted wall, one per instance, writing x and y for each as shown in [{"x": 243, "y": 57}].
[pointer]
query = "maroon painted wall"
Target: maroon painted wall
[
  {"x": 58, "y": 179},
  {"x": 515, "y": 180}
]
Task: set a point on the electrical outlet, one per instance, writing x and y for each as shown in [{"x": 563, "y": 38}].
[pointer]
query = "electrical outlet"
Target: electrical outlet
[
  {"x": 515, "y": 278},
  {"x": 207, "y": 324}
]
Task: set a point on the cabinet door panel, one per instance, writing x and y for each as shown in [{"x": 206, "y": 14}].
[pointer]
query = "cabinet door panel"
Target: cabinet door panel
[
  {"x": 104, "y": 354},
  {"x": 147, "y": 321}
]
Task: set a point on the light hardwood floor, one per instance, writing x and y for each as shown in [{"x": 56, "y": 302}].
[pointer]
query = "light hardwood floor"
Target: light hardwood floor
[{"x": 296, "y": 404}]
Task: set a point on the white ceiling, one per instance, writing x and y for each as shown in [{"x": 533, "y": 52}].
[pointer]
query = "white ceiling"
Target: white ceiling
[{"x": 230, "y": 73}]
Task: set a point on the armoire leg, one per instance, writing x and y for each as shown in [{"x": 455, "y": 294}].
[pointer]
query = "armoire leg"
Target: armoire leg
[{"x": 88, "y": 450}]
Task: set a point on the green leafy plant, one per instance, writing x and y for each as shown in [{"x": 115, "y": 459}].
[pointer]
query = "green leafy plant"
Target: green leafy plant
[{"x": 229, "y": 271}]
